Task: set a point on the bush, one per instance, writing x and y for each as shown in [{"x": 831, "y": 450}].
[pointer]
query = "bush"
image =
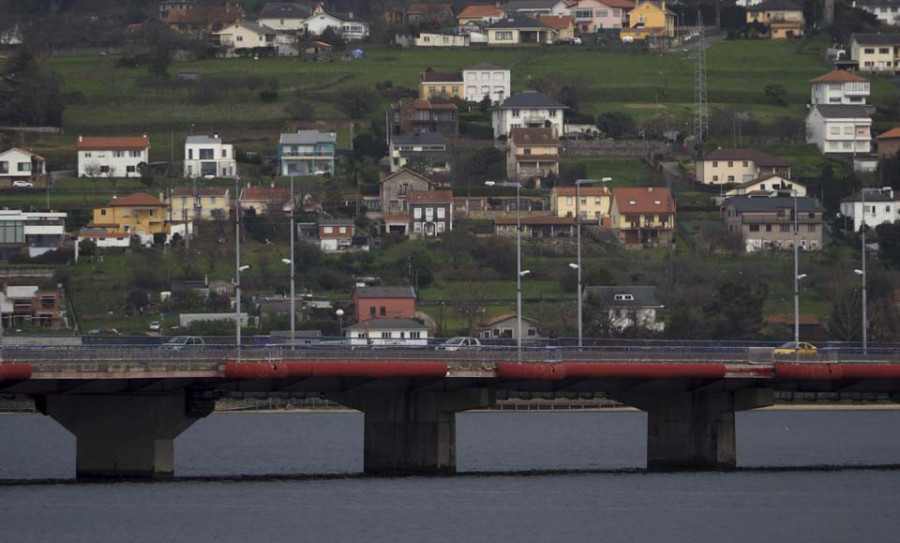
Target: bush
[{"x": 300, "y": 110}]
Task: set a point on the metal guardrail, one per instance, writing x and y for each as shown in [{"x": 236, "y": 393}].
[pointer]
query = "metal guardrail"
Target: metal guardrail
[{"x": 143, "y": 356}]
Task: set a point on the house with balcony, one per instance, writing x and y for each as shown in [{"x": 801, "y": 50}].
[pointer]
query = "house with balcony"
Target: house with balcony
[
  {"x": 425, "y": 152},
  {"x": 594, "y": 205},
  {"x": 200, "y": 204},
  {"x": 168, "y": 5},
  {"x": 395, "y": 187},
  {"x": 649, "y": 19},
  {"x": 729, "y": 166},
  {"x": 840, "y": 129},
  {"x": 28, "y": 305},
  {"x": 30, "y": 233},
  {"x": 430, "y": 212},
  {"x": 112, "y": 156},
  {"x": 306, "y": 152},
  {"x": 529, "y": 109},
  {"x": 284, "y": 16},
  {"x": 444, "y": 85},
  {"x": 350, "y": 27},
  {"x": 480, "y": 14},
  {"x": 486, "y": 79},
  {"x": 521, "y": 30},
  {"x": 839, "y": 87},
  {"x": 138, "y": 214},
  {"x": 248, "y": 37},
  {"x": 207, "y": 156},
  {"x": 876, "y": 52},
  {"x": 622, "y": 307},
  {"x": 768, "y": 223},
  {"x": 263, "y": 200},
  {"x": 887, "y": 11},
  {"x": 417, "y": 116},
  {"x": 880, "y": 207},
  {"x": 783, "y": 18},
  {"x": 21, "y": 165},
  {"x": 643, "y": 216},
  {"x": 532, "y": 153},
  {"x": 593, "y": 16}
]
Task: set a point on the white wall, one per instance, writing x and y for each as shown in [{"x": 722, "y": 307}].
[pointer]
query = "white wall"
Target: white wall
[
  {"x": 223, "y": 157},
  {"x": 495, "y": 82},
  {"x": 504, "y": 119},
  {"x": 118, "y": 166},
  {"x": 876, "y": 213}
]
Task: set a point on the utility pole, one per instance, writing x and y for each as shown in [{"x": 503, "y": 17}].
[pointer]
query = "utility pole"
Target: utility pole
[{"x": 701, "y": 116}]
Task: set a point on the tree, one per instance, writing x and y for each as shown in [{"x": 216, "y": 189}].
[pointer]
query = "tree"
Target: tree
[
  {"x": 776, "y": 92},
  {"x": 470, "y": 301},
  {"x": 736, "y": 309},
  {"x": 300, "y": 110},
  {"x": 889, "y": 243},
  {"x": 30, "y": 91},
  {"x": 137, "y": 300},
  {"x": 367, "y": 145},
  {"x": 87, "y": 247},
  {"x": 333, "y": 37},
  {"x": 616, "y": 124}
]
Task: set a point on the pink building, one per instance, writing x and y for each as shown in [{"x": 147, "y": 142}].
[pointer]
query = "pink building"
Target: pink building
[{"x": 594, "y": 15}]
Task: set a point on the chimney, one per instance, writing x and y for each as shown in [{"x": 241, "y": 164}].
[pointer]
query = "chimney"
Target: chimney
[
  {"x": 80, "y": 138},
  {"x": 272, "y": 185},
  {"x": 216, "y": 135}
]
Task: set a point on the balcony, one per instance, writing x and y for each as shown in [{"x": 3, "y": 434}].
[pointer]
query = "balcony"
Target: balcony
[{"x": 307, "y": 154}]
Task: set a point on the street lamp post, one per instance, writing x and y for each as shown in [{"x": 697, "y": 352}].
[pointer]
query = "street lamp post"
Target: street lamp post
[
  {"x": 340, "y": 315},
  {"x": 797, "y": 277},
  {"x": 519, "y": 272},
  {"x": 862, "y": 272},
  {"x": 578, "y": 184},
  {"x": 293, "y": 294}
]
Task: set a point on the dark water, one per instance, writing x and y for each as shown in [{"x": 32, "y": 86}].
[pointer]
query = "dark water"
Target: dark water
[{"x": 593, "y": 494}]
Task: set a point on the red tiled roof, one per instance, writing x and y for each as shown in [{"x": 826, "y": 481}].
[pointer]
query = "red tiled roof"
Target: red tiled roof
[
  {"x": 839, "y": 76},
  {"x": 890, "y": 134},
  {"x": 138, "y": 199},
  {"x": 584, "y": 191},
  {"x": 757, "y": 156},
  {"x": 400, "y": 217},
  {"x": 265, "y": 194},
  {"x": 479, "y": 10},
  {"x": 102, "y": 225},
  {"x": 556, "y": 21},
  {"x": 429, "y": 197},
  {"x": 644, "y": 200},
  {"x": 113, "y": 144},
  {"x": 536, "y": 221}
]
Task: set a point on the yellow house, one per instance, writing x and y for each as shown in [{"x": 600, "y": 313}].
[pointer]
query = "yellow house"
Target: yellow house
[
  {"x": 594, "y": 206},
  {"x": 649, "y": 18},
  {"x": 138, "y": 213},
  {"x": 441, "y": 85},
  {"x": 204, "y": 205},
  {"x": 783, "y": 18}
]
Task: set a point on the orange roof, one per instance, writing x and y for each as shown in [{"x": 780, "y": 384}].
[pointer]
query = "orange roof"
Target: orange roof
[
  {"x": 893, "y": 133},
  {"x": 584, "y": 191},
  {"x": 556, "y": 21},
  {"x": 113, "y": 144},
  {"x": 400, "y": 217},
  {"x": 479, "y": 10},
  {"x": 839, "y": 76},
  {"x": 644, "y": 200},
  {"x": 102, "y": 225},
  {"x": 429, "y": 197},
  {"x": 138, "y": 199},
  {"x": 265, "y": 194}
]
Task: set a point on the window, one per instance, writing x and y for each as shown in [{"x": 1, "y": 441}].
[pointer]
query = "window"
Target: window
[
  {"x": 883, "y": 50},
  {"x": 835, "y": 130},
  {"x": 784, "y": 228},
  {"x": 417, "y": 213},
  {"x": 731, "y": 179},
  {"x": 360, "y": 335},
  {"x": 745, "y": 164},
  {"x": 504, "y": 35},
  {"x": 768, "y": 228},
  {"x": 342, "y": 229},
  {"x": 130, "y": 169},
  {"x": 730, "y": 163},
  {"x": 715, "y": 163},
  {"x": 382, "y": 311},
  {"x": 441, "y": 213},
  {"x": 103, "y": 212},
  {"x": 135, "y": 154},
  {"x": 87, "y": 154},
  {"x": 754, "y": 228},
  {"x": 583, "y": 14},
  {"x": 24, "y": 166},
  {"x": 552, "y": 113},
  {"x": 848, "y": 130},
  {"x": 715, "y": 178},
  {"x": 372, "y": 311},
  {"x": 515, "y": 113},
  {"x": 870, "y": 50},
  {"x": 224, "y": 153},
  {"x": 151, "y": 212},
  {"x": 118, "y": 154},
  {"x": 240, "y": 38},
  {"x": 623, "y": 297},
  {"x": 415, "y": 335},
  {"x": 328, "y": 230},
  {"x": 602, "y": 13},
  {"x": 569, "y": 200},
  {"x": 811, "y": 227},
  {"x": 385, "y": 335}
]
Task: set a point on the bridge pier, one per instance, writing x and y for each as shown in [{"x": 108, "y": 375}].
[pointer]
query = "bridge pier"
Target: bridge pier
[
  {"x": 693, "y": 430},
  {"x": 125, "y": 435},
  {"x": 412, "y": 432}
]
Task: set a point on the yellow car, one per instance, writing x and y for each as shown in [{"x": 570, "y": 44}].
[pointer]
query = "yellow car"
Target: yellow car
[{"x": 806, "y": 349}]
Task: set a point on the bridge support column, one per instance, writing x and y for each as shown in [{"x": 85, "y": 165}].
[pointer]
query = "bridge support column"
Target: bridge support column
[
  {"x": 693, "y": 430},
  {"x": 127, "y": 435},
  {"x": 413, "y": 432}
]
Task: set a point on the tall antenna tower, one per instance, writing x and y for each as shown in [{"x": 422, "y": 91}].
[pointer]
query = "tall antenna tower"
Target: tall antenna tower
[{"x": 701, "y": 115}]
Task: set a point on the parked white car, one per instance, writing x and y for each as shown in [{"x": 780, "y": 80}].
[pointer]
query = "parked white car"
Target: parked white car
[
  {"x": 22, "y": 184},
  {"x": 460, "y": 343}
]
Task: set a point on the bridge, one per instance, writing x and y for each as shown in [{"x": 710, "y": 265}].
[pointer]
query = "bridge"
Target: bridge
[{"x": 127, "y": 404}]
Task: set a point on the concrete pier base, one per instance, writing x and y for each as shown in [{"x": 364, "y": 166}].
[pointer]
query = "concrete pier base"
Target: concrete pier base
[
  {"x": 125, "y": 436},
  {"x": 693, "y": 430},
  {"x": 413, "y": 432}
]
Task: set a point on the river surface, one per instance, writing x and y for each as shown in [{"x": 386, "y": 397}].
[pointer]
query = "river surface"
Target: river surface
[{"x": 560, "y": 476}]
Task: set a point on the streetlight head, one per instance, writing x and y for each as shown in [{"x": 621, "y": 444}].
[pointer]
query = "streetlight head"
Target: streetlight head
[
  {"x": 287, "y": 261},
  {"x": 339, "y": 312},
  {"x": 606, "y": 179},
  {"x": 859, "y": 272},
  {"x": 573, "y": 265},
  {"x": 244, "y": 268},
  {"x": 801, "y": 276},
  {"x": 490, "y": 183},
  {"x": 523, "y": 273}
]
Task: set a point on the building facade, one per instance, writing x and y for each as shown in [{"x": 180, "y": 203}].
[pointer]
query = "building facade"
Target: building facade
[
  {"x": 30, "y": 233},
  {"x": 881, "y": 207},
  {"x": 643, "y": 216},
  {"x": 399, "y": 332},
  {"x": 594, "y": 205},
  {"x": 649, "y": 19},
  {"x": 430, "y": 212},
  {"x": 726, "y": 166},
  {"x": 532, "y": 153},
  {"x": 783, "y": 18},
  {"x": 417, "y": 116},
  {"x": 207, "y": 156},
  {"x": 383, "y": 303},
  {"x": 445, "y": 85},
  {"x": 202, "y": 204},
  {"x": 840, "y": 129},
  {"x": 839, "y": 87},
  {"x": 768, "y": 223},
  {"x": 306, "y": 152},
  {"x": 112, "y": 157},
  {"x": 486, "y": 79},
  {"x": 626, "y": 307},
  {"x": 529, "y": 109},
  {"x": 876, "y": 52},
  {"x": 137, "y": 214},
  {"x": 593, "y": 16},
  {"x": 18, "y": 164},
  {"x": 395, "y": 187}
]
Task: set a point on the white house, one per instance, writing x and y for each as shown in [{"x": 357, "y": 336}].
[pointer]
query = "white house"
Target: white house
[
  {"x": 351, "y": 28},
  {"x": 839, "y": 87},
  {"x": 766, "y": 186},
  {"x": 627, "y": 307},
  {"x": 208, "y": 156},
  {"x": 486, "y": 79},
  {"x": 250, "y": 35},
  {"x": 527, "y": 109},
  {"x": 887, "y": 11},
  {"x": 32, "y": 233},
  {"x": 284, "y": 16},
  {"x": 103, "y": 239},
  {"x": 18, "y": 163},
  {"x": 840, "y": 129},
  {"x": 405, "y": 332},
  {"x": 881, "y": 207},
  {"x": 112, "y": 156},
  {"x": 434, "y": 39}
]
